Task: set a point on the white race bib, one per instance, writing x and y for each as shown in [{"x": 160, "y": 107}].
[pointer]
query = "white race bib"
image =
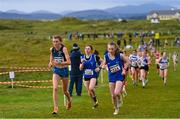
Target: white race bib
[
  {"x": 115, "y": 68},
  {"x": 134, "y": 64},
  {"x": 163, "y": 66},
  {"x": 58, "y": 59},
  {"x": 88, "y": 72}
]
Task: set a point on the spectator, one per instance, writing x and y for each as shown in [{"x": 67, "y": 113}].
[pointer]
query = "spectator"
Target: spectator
[
  {"x": 157, "y": 39},
  {"x": 75, "y": 73},
  {"x": 119, "y": 43},
  {"x": 142, "y": 38},
  {"x": 130, "y": 39},
  {"x": 175, "y": 60},
  {"x": 70, "y": 36},
  {"x": 125, "y": 43},
  {"x": 177, "y": 41},
  {"x": 165, "y": 43},
  {"x": 119, "y": 35}
]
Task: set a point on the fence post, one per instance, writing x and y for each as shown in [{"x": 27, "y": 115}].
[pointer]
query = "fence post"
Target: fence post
[
  {"x": 11, "y": 76},
  {"x": 65, "y": 101}
]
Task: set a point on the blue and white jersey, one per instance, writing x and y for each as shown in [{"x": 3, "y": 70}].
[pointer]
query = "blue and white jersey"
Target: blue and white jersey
[
  {"x": 134, "y": 60},
  {"x": 163, "y": 63},
  {"x": 115, "y": 67},
  {"x": 143, "y": 61},
  {"x": 89, "y": 66}
]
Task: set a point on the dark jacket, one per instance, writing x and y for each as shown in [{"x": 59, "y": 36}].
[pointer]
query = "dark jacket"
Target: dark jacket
[{"x": 75, "y": 57}]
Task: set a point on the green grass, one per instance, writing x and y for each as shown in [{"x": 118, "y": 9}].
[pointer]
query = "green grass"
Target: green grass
[
  {"x": 154, "y": 101},
  {"x": 26, "y": 43}
]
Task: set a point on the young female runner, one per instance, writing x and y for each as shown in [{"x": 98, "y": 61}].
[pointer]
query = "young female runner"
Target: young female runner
[
  {"x": 117, "y": 65},
  {"x": 88, "y": 64},
  {"x": 163, "y": 64},
  {"x": 143, "y": 64},
  {"x": 59, "y": 61},
  {"x": 134, "y": 58}
]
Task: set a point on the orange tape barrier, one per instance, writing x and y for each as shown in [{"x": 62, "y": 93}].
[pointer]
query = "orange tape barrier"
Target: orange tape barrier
[
  {"x": 22, "y": 68},
  {"x": 23, "y": 82},
  {"x": 27, "y": 86},
  {"x": 23, "y": 71}
]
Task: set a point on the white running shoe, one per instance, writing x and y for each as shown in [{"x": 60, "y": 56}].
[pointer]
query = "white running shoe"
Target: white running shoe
[
  {"x": 116, "y": 112},
  {"x": 95, "y": 105},
  {"x": 120, "y": 102}
]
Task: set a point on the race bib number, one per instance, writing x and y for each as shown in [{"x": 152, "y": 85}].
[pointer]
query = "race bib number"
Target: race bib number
[
  {"x": 134, "y": 64},
  {"x": 115, "y": 68},
  {"x": 163, "y": 66},
  {"x": 58, "y": 59},
  {"x": 142, "y": 65},
  {"x": 88, "y": 72}
]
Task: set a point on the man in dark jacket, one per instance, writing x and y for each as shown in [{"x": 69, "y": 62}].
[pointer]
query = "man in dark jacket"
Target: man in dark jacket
[{"x": 75, "y": 73}]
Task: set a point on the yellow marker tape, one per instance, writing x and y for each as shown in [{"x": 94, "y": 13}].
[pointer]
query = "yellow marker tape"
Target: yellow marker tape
[
  {"x": 27, "y": 86},
  {"x": 23, "y": 82},
  {"x": 23, "y": 71}
]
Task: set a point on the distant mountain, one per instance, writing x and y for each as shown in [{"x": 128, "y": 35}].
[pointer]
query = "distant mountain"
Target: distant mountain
[
  {"x": 91, "y": 14},
  {"x": 45, "y": 15},
  {"x": 137, "y": 9},
  {"x": 38, "y": 15},
  {"x": 42, "y": 12},
  {"x": 66, "y": 12},
  {"x": 123, "y": 12},
  {"x": 15, "y": 12}
]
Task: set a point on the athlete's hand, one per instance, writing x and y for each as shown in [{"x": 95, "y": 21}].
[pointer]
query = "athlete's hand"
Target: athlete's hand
[
  {"x": 62, "y": 64},
  {"x": 55, "y": 63},
  {"x": 50, "y": 65},
  {"x": 97, "y": 69},
  {"x": 83, "y": 61},
  {"x": 104, "y": 66},
  {"x": 123, "y": 71}
]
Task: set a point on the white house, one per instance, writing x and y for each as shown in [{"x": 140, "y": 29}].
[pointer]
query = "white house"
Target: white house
[{"x": 164, "y": 15}]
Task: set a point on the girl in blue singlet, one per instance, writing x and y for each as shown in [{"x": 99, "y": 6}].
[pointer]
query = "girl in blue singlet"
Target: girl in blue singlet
[
  {"x": 59, "y": 61},
  {"x": 89, "y": 65},
  {"x": 117, "y": 65},
  {"x": 163, "y": 65}
]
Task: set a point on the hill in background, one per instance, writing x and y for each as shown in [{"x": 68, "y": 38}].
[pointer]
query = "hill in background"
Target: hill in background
[{"x": 118, "y": 12}]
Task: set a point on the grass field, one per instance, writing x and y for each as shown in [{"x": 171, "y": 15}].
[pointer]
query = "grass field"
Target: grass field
[
  {"x": 18, "y": 48},
  {"x": 154, "y": 101}
]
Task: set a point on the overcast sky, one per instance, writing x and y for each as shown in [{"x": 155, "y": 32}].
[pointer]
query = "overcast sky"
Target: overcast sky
[{"x": 74, "y": 5}]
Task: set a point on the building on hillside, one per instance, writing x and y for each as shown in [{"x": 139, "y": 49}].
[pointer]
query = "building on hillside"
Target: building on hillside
[{"x": 163, "y": 15}]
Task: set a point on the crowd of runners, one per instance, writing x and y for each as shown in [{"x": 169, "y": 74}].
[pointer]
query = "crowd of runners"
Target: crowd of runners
[{"x": 118, "y": 63}]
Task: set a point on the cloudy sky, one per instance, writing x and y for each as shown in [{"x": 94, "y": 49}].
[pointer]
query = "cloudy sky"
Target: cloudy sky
[{"x": 73, "y": 5}]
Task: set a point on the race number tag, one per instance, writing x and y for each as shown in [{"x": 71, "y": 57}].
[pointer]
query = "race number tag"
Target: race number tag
[
  {"x": 134, "y": 63},
  {"x": 142, "y": 65},
  {"x": 88, "y": 72},
  {"x": 58, "y": 59},
  {"x": 163, "y": 66},
  {"x": 115, "y": 68}
]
